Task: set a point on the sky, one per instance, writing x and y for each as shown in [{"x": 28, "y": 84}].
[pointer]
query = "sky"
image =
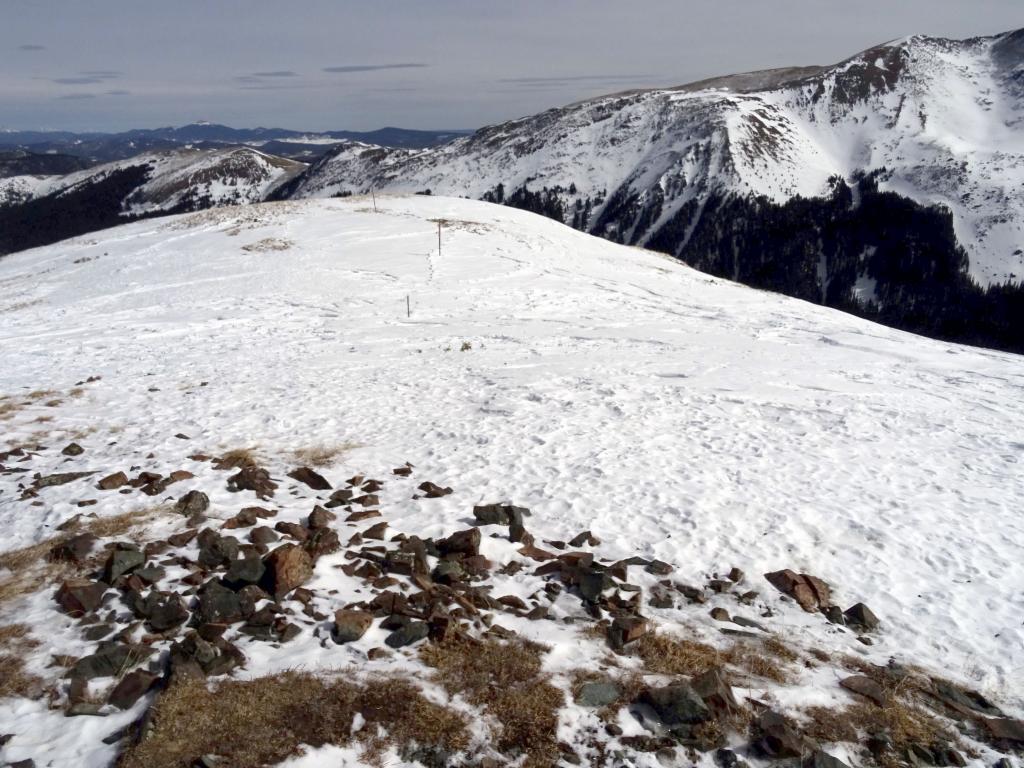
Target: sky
[{"x": 108, "y": 65}]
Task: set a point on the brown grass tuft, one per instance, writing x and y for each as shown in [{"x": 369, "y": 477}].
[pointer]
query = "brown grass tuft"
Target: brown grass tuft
[
  {"x": 667, "y": 654},
  {"x": 236, "y": 458},
  {"x": 322, "y": 455},
  {"x": 14, "y": 680},
  {"x": 264, "y": 721},
  {"x": 506, "y": 679},
  {"x": 39, "y": 394}
]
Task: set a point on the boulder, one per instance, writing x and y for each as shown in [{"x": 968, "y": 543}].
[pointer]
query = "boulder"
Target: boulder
[
  {"x": 715, "y": 691},
  {"x": 778, "y": 737},
  {"x": 351, "y": 625},
  {"x": 598, "y": 693},
  {"x": 216, "y": 550},
  {"x": 821, "y": 759},
  {"x": 252, "y": 478},
  {"x": 411, "y": 633},
  {"x": 1005, "y": 729},
  {"x": 463, "y": 542},
  {"x": 243, "y": 572},
  {"x": 192, "y": 504},
  {"x": 313, "y": 479},
  {"x": 262, "y": 535},
  {"x": 491, "y": 514},
  {"x": 73, "y": 449},
  {"x": 218, "y": 604},
  {"x": 810, "y": 592},
  {"x": 124, "y": 559},
  {"x": 320, "y": 517},
  {"x": 861, "y": 616},
  {"x": 677, "y": 704},
  {"x": 288, "y": 567},
  {"x": 433, "y": 491},
  {"x": 163, "y": 610},
  {"x": 626, "y": 629},
  {"x": 78, "y": 597},
  {"x": 113, "y": 482},
  {"x": 111, "y": 659},
  {"x": 866, "y": 687},
  {"x": 131, "y": 688}
]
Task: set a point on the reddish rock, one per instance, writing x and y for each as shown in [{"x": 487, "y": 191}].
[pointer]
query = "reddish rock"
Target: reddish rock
[
  {"x": 375, "y": 531},
  {"x": 626, "y": 629},
  {"x": 254, "y": 479},
  {"x": 313, "y": 479},
  {"x": 320, "y": 517},
  {"x": 78, "y": 597},
  {"x": 367, "y": 500},
  {"x": 289, "y": 566},
  {"x": 434, "y": 491},
  {"x": 365, "y": 514},
  {"x": 351, "y": 625},
  {"x": 810, "y": 592},
  {"x": 296, "y": 531},
  {"x": 462, "y": 542},
  {"x": 1005, "y": 729},
  {"x": 113, "y": 482}
]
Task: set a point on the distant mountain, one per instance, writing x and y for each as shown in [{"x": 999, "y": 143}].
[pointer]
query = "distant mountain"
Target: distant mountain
[
  {"x": 889, "y": 185},
  {"x": 105, "y": 147},
  {"x": 38, "y": 210},
  {"x": 20, "y": 163}
]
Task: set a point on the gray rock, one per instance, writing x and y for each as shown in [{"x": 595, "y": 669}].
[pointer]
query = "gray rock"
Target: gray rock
[
  {"x": 218, "y": 604},
  {"x": 124, "y": 559},
  {"x": 407, "y": 635},
  {"x": 240, "y": 573},
  {"x": 861, "y": 616},
  {"x": 131, "y": 688},
  {"x": 192, "y": 504},
  {"x": 351, "y": 625},
  {"x": 821, "y": 759},
  {"x": 598, "y": 693},
  {"x": 677, "y": 704},
  {"x": 110, "y": 660}
]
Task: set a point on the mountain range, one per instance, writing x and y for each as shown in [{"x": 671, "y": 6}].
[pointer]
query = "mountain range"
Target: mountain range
[{"x": 888, "y": 185}]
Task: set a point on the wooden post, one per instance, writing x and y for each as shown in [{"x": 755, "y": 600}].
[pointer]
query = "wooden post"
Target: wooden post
[
  {"x": 408, "y": 311},
  {"x": 374, "y": 197},
  {"x": 439, "y": 238}
]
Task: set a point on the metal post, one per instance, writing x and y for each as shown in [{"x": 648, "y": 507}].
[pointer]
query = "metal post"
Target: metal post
[
  {"x": 374, "y": 197},
  {"x": 408, "y": 311}
]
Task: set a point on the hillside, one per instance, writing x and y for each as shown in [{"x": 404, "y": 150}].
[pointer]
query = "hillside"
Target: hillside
[
  {"x": 703, "y": 433},
  {"x": 761, "y": 178},
  {"x": 38, "y": 210}
]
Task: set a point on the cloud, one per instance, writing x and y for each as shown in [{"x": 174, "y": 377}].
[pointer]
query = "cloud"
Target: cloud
[
  {"x": 277, "y": 73},
  {"x": 371, "y": 67},
  {"x": 76, "y": 96},
  {"x": 103, "y": 74},
  {"x": 31, "y": 47},
  {"x": 118, "y": 92},
  {"x": 77, "y": 80}
]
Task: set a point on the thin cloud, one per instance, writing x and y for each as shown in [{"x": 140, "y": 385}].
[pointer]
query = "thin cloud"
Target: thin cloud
[
  {"x": 118, "y": 93},
  {"x": 277, "y": 73},
  {"x": 103, "y": 74},
  {"x": 76, "y": 96},
  {"x": 31, "y": 47},
  {"x": 371, "y": 67},
  {"x": 77, "y": 80}
]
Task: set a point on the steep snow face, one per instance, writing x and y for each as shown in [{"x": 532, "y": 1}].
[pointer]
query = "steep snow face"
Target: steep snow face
[
  {"x": 187, "y": 177},
  {"x": 943, "y": 116},
  {"x": 607, "y": 388}
]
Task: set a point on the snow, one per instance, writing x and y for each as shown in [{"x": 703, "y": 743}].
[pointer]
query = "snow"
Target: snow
[{"x": 607, "y": 388}]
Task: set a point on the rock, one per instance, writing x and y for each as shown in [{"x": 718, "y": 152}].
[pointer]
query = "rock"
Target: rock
[
  {"x": 821, "y": 759},
  {"x": 861, "y": 616},
  {"x": 463, "y": 542},
  {"x": 1005, "y": 729},
  {"x": 218, "y": 604},
  {"x": 163, "y": 610},
  {"x": 810, "y": 592},
  {"x": 216, "y": 550},
  {"x": 313, "y": 479},
  {"x": 491, "y": 514},
  {"x": 288, "y": 567},
  {"x": 586, "y": 537},
  {"x": 591, "y": 584},
  {"x": 735, "y": 575},
  {"x": 726, "y": 758},
  {"x": 78, "y": 597},
  {"x": 240, "y": 573},
  {"x": 296, "y": 531},
  {"x": 111, "y": 659},
  {"x": 73, "y": 449},
  {"x": 598, "y": 693},
  {"x": 865, "y": 686},
  {"x": 262, "y": 535},
  {"x": 778, "y": 738},
  {"x": 1003, "y": 762},
  {"x": 966, "y": 702},
  {"x": 131, "y": 688},
  {"x": 407, "y": 635},
  {"x": 835, "y": 615},
  {"x": 516, "y": 527},
  {"x": 378, "y": 531},
  {"x": 321, "y": 541},
  {"x": 320, "y": 517},
  {"x": 75, "y": 550},
  {"x": 192, "y": 504},
  {"x": 626, "y": 629},
  {"x": 676, "y": 704},
  {"x": 252, "y": 478},
  {"x": 715, "y": 691},
  {"x": 659, "y": 568},
  {"x": 402, "y": 471},
  {"x": 125, "y": 559},
  {"x": 62, "y": 478},
  {"x": 448, "y": 572},
  {"x": 182, "y": 539},
  {"x": 432, "y": 491},
  {"x": 244, "y": 519},
  {"x": 84, "y": 708},
  {"x": 720, "y": 614},
  {"x": 351, "y": 625}
]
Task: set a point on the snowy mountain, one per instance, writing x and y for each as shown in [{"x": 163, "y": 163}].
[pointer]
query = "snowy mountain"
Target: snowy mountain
[
  {"x": 36, "y": 210},
  {"x": 760, "y": 177},
  {"x": 693, "y": 426}
]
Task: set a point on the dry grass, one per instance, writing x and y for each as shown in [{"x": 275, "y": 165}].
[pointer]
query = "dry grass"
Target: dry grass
[
  {"x": 30, "y": 567},
  {"x": 904, "y": 722},
  {"x": 237, "y": 458},
  {"x": 8, "y": 407},
  {"x": 322, "y": 455},
  {"x": 14, "y": 680},
  {"x": 505, "y": 678},
  {"x": 39, "y": 394},
  {"x": 76, "y": 392},
  {"x": 264, "y": 721},
  {"x": 667, "y": 654}
]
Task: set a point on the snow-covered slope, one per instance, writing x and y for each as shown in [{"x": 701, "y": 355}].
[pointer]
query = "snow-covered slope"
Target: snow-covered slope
[
  {"x": 607, "y": 388},
  {"x": 172, "y": 179},
  {"x": 943, "y": 116}
]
